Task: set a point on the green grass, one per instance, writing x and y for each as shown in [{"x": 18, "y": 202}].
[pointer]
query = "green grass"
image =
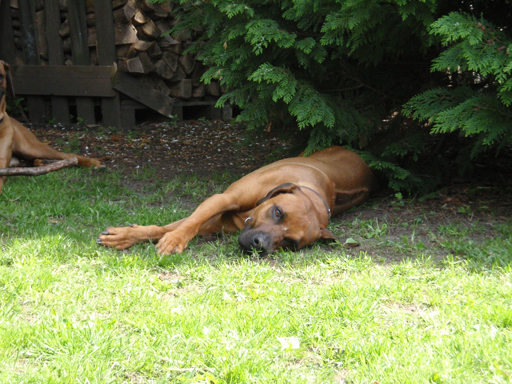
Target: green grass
[{"x": 74, "y": 312}]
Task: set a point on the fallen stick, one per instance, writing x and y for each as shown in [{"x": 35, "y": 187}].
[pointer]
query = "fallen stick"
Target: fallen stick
[{"x": 36, "y": 171}]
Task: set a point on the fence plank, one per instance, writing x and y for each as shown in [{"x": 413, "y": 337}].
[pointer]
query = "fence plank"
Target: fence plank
[
  {"x": 60, "y": 80},
  {"x": 31, "y": 55},
  {"x": 80, "y": 51},
  {"x": 143, "y": 93},
  {"x": 7, "y": 48},
  {"x": 60, "y": 105},
  {"x": 106, "y": 49}
]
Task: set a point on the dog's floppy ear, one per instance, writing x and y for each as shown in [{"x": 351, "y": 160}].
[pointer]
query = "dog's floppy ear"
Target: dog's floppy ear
[
  {"x": 283, "y": 188},
  {"x": 10, "y": 84},
  {"x": 8, "y": 76},
  {"x": 325, "y": 234}
]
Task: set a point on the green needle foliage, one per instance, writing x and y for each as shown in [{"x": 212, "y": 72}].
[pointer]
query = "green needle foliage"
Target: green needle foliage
[
  {"x": 477, "y": 105},
  {"x": 340, "y": 72}
]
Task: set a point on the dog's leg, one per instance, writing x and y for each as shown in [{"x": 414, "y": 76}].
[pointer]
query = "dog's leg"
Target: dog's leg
[
  {"x": 27, "y": 145},
  {"x": 6, "y": 138},
  {"x": 176, "y": 241},
  {"x": 226, "y": 222},
  {"x": 348, "y": 199},
  {"x": 124, "y": 237}
]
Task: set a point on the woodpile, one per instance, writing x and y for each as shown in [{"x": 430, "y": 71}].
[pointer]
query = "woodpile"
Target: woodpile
[{"x": 144, "y": 49}]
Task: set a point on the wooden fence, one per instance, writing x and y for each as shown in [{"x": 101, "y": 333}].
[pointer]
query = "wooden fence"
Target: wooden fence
[{"x": 100, "y": 60}]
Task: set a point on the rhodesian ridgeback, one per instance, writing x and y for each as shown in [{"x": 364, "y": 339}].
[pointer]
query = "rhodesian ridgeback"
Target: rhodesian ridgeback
[
  {"x": 17, "y": 141},
  {"x": 286, "y": 204}
]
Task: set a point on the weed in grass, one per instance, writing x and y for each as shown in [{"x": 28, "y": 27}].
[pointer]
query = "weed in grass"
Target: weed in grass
[
  {"x": 454, "y": 230},
  {"x": 144, "y": 174},
  {"x": 372, "y": 228}
]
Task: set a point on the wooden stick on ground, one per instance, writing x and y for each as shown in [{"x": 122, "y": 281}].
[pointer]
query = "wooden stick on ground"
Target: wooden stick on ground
[{"x": 36, "y": 171}]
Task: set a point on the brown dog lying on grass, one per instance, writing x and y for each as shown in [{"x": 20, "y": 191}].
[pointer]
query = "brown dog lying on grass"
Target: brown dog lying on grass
[
  {"x": 286, "y": 204},
  {"x": 16, "y": 140}
]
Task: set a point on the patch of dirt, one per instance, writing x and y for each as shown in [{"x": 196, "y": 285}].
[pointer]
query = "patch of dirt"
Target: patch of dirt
[{"x": 198, "y": 146}]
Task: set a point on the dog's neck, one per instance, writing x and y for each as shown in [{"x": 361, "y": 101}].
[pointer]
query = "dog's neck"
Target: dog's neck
[{"x": 328, "y": 209}]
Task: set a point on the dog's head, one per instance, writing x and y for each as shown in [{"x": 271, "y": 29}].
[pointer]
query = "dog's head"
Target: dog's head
[
  {"x": 285, "y": 218},
  {"x": 5, "y": 84}
]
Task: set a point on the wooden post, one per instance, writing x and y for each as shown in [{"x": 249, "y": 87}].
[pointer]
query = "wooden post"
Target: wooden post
[
  {"x": 80, "y": 50},
  {"x": 60, "y": 105},
  {"x": 7, "y": 48},
  {"x": 31, "y": 55},
  {"x": 106, "y": 49}
]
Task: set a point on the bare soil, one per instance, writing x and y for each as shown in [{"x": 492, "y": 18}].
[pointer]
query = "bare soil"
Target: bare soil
[{"x": 198, "y": 146}]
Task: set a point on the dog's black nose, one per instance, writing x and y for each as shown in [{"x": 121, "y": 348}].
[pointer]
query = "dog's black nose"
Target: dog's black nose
[
  {"x": 255, "y": 240},
  {"x": 258, "y": 241}
]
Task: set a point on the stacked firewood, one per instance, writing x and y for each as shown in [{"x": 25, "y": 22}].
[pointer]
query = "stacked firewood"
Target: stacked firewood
[{"x": 143, "y": 46}]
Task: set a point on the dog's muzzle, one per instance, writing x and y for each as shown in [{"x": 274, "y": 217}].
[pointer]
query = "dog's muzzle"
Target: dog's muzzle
[{"x": 255, "y": 240}]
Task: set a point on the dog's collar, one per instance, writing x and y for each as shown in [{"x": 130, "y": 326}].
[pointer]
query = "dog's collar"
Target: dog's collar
[{"x": 321, "y": 198}]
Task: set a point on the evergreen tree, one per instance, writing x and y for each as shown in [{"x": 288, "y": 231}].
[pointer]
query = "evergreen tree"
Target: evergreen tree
[
  {"x": 477, "y": 101},
  {"x": 338, "y": 72}
]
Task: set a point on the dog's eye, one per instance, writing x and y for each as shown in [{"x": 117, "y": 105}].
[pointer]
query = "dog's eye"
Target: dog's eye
[{"x": 277, "y": 212}]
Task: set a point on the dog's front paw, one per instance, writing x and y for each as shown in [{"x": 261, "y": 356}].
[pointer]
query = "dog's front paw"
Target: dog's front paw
[
  {"x": 172, "y": 242},
  {"x": 95, "y": 163},
  {"x": 89, "y": 162},
  {"x": 119, "y": 238}
]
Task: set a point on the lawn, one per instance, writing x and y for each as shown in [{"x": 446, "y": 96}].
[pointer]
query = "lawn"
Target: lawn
[{"x": 425, "y": 298}]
